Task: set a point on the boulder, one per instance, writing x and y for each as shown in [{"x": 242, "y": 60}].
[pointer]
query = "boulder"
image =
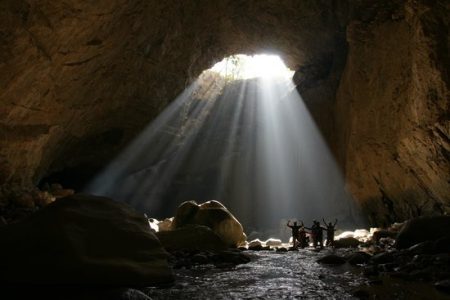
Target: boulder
[
  {"x": 423, "y": 229},
  {"x": 83, "y": 240},
  {"x": 191, "y": 237},
  {"x": 213, "y": 215}
]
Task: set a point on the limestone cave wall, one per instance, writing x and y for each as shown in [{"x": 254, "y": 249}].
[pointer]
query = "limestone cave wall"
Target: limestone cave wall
[
  {"x": 393, "y": 113},
  {"x": 79, "y": 79}
]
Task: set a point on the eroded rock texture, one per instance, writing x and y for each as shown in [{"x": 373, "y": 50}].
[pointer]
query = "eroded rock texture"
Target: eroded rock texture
[
  {"x": 79, "y": 79},
  {"x": 393, "y": 113}
]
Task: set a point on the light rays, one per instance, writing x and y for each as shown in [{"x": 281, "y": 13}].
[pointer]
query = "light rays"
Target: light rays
[{"x": 249, "y": 143}]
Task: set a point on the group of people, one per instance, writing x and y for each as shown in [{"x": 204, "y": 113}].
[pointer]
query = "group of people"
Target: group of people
[{"x": 300, "y": 235}]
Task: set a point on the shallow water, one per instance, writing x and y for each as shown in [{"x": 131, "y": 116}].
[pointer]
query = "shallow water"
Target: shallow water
[{"x": 270, "y": 275}]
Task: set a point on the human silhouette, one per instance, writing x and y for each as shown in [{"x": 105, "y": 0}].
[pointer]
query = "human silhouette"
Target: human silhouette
[
  {"x": 302, "y": 237},
  {"x": 317, "y": 234},
  {"x": 330, "y": 228},
  {"x": 295, "y": 230}
]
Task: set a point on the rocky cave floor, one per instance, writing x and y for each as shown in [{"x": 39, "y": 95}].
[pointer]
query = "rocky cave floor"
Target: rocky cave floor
[
  {"x": 347, "y": 273},
  {"x": 296, "y": 275}
]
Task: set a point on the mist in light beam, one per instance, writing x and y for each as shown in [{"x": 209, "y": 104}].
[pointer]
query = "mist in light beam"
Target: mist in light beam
[{"x": 249, "y": 143}]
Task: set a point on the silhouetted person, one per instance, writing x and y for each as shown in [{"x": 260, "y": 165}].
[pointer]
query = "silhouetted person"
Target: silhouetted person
[
  {"x": 303, "y": 241},
  {"x": 317, "y": 234},
  {"x": 330, "y": 228},
  {"x": 295, "y": 229}
]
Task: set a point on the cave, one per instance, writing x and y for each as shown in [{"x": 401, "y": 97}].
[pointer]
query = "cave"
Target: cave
[{"x": 82, "y": 81}]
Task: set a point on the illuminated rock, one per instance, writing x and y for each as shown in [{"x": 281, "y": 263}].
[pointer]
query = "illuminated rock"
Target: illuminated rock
[
  {"x": 213, "y": 215},
  {"x": 273, "y": 242},
  {"x": 165, "y": 224},
  {"x": 83, "y": 240}
]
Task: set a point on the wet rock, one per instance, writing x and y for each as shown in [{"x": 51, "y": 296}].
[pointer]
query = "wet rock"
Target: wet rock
[
  {"x": 371, "y": 271},
  {"x": 424, "y": 274},
  {"x": 200, "y": 259},
  {"x": 421, "y": 248},
  {"x": 443, "y": 285},
  {"x": 213, "y": 215},
  {"x": 281, "y": 249},
  {"x": 382, "y": 258},
  {"x": 348, "y": 242},
  {"x": 191, "y": 237},
  {"x": 442, "y": 245},
  {"x": 231, "y": 257},
  {"x": 358, "y": 258},
  {"x": 255, "y": 245},
  {"x": 133, "y": 294},
  {"x": 423, "y": 229},
  {"x": 83, "y": 239},
  {"x": 332, "y": 260},
  {"x": 388, "y": 267},
  {"x": 383, "y": 233}
]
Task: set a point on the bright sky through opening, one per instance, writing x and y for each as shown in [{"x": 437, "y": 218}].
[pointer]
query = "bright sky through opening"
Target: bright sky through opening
[{"x": 245, "y": 67}]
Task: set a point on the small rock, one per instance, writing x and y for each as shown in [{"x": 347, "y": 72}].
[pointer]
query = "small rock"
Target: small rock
[
  {"x": 199, "y": 259},
  {"x": 281, "y": 249},
  {"x": 382, "y": 258},
  {"x": 255, "y": 245},
  {"x": 443, "y": 285},
  {"x": 421, "y": 248},
  {"x": 332, "y": 260}
]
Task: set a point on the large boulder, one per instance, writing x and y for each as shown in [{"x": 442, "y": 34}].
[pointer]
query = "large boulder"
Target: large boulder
[
  {"x": 423, "y": 229},
  {"x": 213, "y": 215},
  {"x": 86, "y": 240},
  {"x": 191, "y": 237}
]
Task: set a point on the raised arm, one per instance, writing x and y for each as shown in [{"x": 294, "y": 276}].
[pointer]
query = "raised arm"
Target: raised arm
[
  {"x": 324, "y": 222},
  {"x": 335, "y": 222}
]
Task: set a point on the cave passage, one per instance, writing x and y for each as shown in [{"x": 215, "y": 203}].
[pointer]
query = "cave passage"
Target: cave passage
[{"x": 240, "y": 134}]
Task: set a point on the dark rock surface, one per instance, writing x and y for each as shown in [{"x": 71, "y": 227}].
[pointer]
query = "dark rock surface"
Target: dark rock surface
[
  {"x": 83, "y": 240},
  {"x": 423, "y": 229},
  {"x": 191, "y": 237}
]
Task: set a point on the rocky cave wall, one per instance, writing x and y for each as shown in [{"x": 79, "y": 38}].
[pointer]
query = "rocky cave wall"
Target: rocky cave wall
[
  {"x": 393, "y": 113},
  {"x": 79, "y": 79}
]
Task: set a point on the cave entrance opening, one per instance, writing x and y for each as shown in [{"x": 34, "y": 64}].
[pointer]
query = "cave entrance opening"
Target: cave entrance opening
[{"x": 240, "y": 134}]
